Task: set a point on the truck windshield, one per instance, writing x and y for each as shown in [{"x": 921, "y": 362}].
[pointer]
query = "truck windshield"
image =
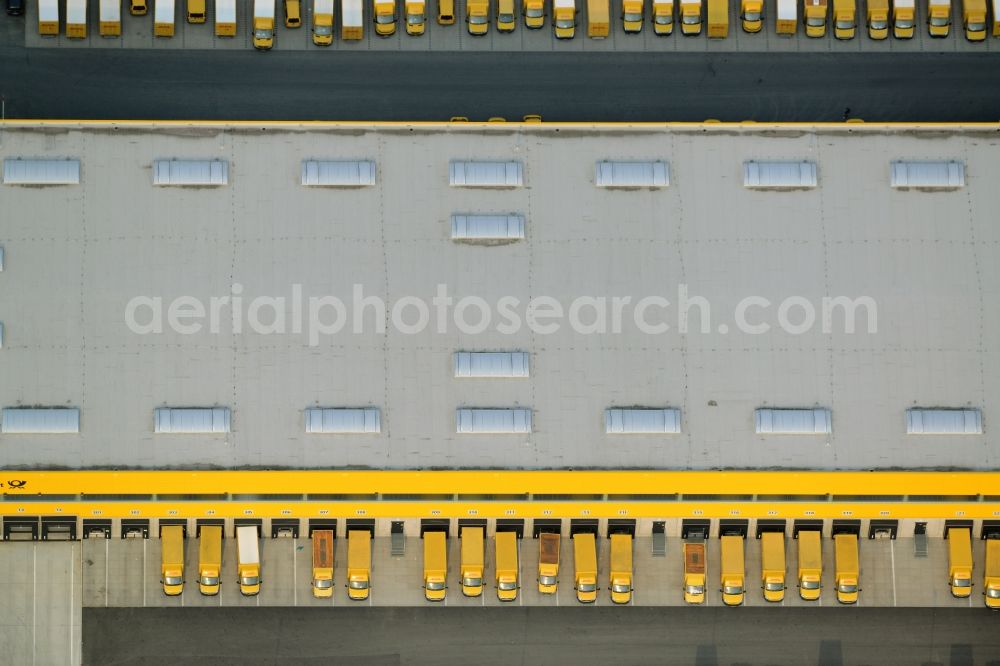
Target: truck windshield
[
  {"x": 962, "y": 582},
  {"x": 879, "y": 25},
  {"x": 940, "y": 21},
  {"x": 435, "y": 585},
  {"x": 359, "y": 585},
  {"x": 565, "y": 23},
  {"x": 385, "y": 18},
  {"x": 472, "y": 582},
  {"x": 905, "y": 24},
  {"x": 547, "y": 580},
  {"x": 173, "y": 580},
  {"x": 664, "y": 19},
  {"x": 993, "y": 593},
  {"x": 977, "y": 27},
  {"x": 848, "y": 589},
  {"x": 323, "y": 584},
  {"x": 692, "y": 20},
  {"x": 210, "y": 580},
  {"x": 415, "y": 19},
  {"x": 810, "y": 585},
  {"x": 506, "y": 18},
  {"x": 324, "y": 30},
  {"x": 732, "y": 589},
  {"x": 588, "y": 587},
  {"x": 620, "y": 588},
  {"x": 262, "y": 34},
  {"x": 774, "y": 587},
  {"x": 509, "y": 585},
  {"x": 534, "y": 12},
  {"x": 250, "y": 580},
  {"x": 816, "y": 22},
  {"x": 845, "y": 25},
  {"x": 696, "y": 589},
  {"x": 477, "y": 20},
  {"x": 752, "y": 16},
  {"x": 632, "y": 17}
]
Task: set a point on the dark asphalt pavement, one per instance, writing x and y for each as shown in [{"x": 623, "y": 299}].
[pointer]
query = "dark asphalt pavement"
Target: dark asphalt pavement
[
  {"x": 213, "y": 85},
  {"x": 547, "y": 636}
]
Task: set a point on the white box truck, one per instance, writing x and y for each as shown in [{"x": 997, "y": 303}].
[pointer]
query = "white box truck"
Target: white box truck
[
  {"x": 351, "y": 19},
  {"x": 248, "y": 556},
  {"x": 76, "y": 19},
  {"x": 110, "y": 20},
  {"x": 163, "y": 18},
  {"x": 225, "y": 18}
]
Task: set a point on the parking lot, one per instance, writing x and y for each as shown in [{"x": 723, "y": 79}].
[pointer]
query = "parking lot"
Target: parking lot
[{"x": 137, "y": 33}]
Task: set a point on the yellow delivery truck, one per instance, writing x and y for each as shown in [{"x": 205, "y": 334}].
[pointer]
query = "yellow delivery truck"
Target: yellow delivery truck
[
  {"x": 564, "y": 18},
  {"x": 534, "y": 13},
  {"x": 691, "y": 17},
  {"x": 548, "y": 562},
  {"x": 505, "y": 16},
  {"x": 960, "y": 561},
  {"x": 164, "y": 18},
  {"x": 878, "y": 19},
  {"x": 585, "y": 565},
  {"x": 472, "y": 560},
  {"x": 263, "y": 24},
  {"x": 172, "y": 559},
  {"x": 815, "y": 17},
  {"x": 772, "y": 565},
  {"x": 991, "y": 581},
  {"x": 598, "y": 19},
  {"x": 903, "y": 18},
  {"x": 435, "y": 565},
  {"x": 196, "y": 12},
  {"x": 620, "y": 574},
  {"x": 732, "y": 578},
  {"x": 416, "y": 16},
  {"x": 248, "y": 559},
  {"x": 810, "y": 564},
  {"x": 507, "y": 566},
  {"x": 848, "y": 571},
  {"x": 110, "y": 18},
  {"x": 663, "y": 17},
  {"x": 210, "y": 559},
  {"x": 938, "y": 17},
  {"x": 477, "y": 16},
  {"x": 76, "y": 19},
  {"x": 788, "y": 18},
  {"x": 752, "y": 15},
  {"x": 384, "y": 12},
  {"x": 632, "y": 15},
  {"x": 974, "y": 19},
  {"x": 844, "y": 19},
  {"x": 322, "y": 564},
  {"x": 694, "y": 572},
  {"x": 359, "y": 564}
]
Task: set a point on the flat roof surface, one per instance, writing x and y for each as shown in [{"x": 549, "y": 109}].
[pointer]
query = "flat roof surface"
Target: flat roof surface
[{"x": 76, "y": 255}]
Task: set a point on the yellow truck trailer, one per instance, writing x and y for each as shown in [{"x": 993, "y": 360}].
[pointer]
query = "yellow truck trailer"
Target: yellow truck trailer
[
  {"x": 472, "y": 563},
  {"x": 691, "y": 17},
  {"x": 960, "y": 561},
  {"x": 164, "y": 18},
  {"x": 507, "y": 566},
  {"x": 787, "y": 19},
  {"x": 878, "y": 19},
  {"x": 435, "y": 565},
  {"x": 548, "y": 562},
  {"x": 974, "y": 19},
  {"x": 815, "y": 12},
  {"x": 620, "y": 574},
  {"x": 694, "y": 572},
  {"x": 718, "y": 19},
  {"x": 225, "y": 18},
  {"x": 598, "y": 19},
  {"x": 991, "y": 579},
  {"x": 359, "y": 564},
  {"x": 810, "y": 564},
  {"x": 844, "y": 18},
  {"x": 172, "y": 559},
  {"x": 110, "y": 18},
  {"x": 663, "y": 17},
  {"x": 585, "y": 567},
  {"x": 209, "y": 559},
  {"x": 752, "y": 15},
  {"x": 733, "y": 574},
  {"x": 564, "y": 18},
  {"x": 632, "y": 15},
  {"x": 772, "y": 565},
  {"x": 76, "y": 19},
  {"x": 351, "y": 20},
  {"x": 322, "y": 564},
  {"x": 848, "y": 572}
]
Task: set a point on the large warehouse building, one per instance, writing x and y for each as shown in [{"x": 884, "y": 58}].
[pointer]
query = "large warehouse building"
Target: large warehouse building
[{"x": 352, "y": 295}]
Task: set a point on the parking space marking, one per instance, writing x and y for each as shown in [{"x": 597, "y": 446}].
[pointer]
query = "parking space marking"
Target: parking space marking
[
  {"x": 34, "y": 597},
  {"x": 892, "y": 568}
]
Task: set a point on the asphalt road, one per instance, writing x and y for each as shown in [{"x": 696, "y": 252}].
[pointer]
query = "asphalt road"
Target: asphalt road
[
  {"x": 140, "y": 84},
  {"x": 529, "y": 636}
]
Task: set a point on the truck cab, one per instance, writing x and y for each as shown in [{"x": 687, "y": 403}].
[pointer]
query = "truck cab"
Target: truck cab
[
  {"x": 534, "y": 13},
  {"x": 691, "y": 17},
  {"x": 752, "y": 15},
  {"x": 416, "y": 16},
  {"x": 939, "y": 18},
  {"x": 974, "y": 19},
  {"x": 878, "y": 19},
  {"x": 505, "y": 16},
  {"x": 359, "y": 564},
  {"x": 663, "y": 17},
  {"x": 632, "y": 14},
  {"x": 263, "y": 24},
  {"x": 960, "y": 561},
  {"x": 991, "y": 581},
  {"x": 477, "y": 16},
  {"x": 815, "y": 18},
  {"x": 209, "y": 559},
  {"x": 903, "y": 13},
  {"x": 385, "y": 17},
  {"x": 844, "y": 19}
]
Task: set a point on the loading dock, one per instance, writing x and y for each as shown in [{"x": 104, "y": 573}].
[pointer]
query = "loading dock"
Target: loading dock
[
  {"x": 695, "y": 528},
  {"x": 135, "y": 528},
  {"x": 806, "y": 524},
  {"x": 59, "y": 528},
  {"x": 734, "y": 527},
  {"x": 20, "y": 529},
  {"x": 883, "y": 529},
  {"x": 213, "y": 522},
  {"x": 770, "y": 525},
  {"x": 179, "y": 522},
  {"x": 283, "y": 528},
  {"x": 550, "y": 525},
  {"x": 96, "y": 528},
  {"x": 511, "y": 525}
]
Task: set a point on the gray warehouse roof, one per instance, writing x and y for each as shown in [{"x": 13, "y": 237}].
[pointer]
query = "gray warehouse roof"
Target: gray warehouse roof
[{"x": 77, "y": 258}]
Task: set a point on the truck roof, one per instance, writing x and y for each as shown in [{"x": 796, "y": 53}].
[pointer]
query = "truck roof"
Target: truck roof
[
  {"x": 225, "y": 11},
  {"x": 246, "y": 540},
  {"x": 263, "y": 8},
  {"x": 787, "y": 10},
  {"x": 110, "y": 10},
  {"x": 323, "y": 7},
  {"x": 564, "y": 4},
  {"x": 350, "y": 11},
  {"x": 76, "y": 11},
  {"x": 694, "y": 557},
  {"x": 322, "y": 548},
  {"x": 359, "y": 549},
  {"x": 163, "y": 11},
  {"x": 621, "y": 552},
  {"x": 905, "y": 4},
  {"x": 548, "y": 548}
]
